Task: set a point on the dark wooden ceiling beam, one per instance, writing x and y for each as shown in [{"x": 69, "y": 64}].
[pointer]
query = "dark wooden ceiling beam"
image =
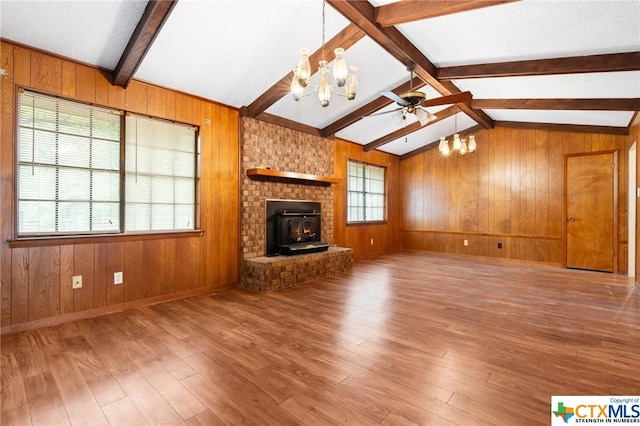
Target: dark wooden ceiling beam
[
  {"x": 404, "y": 131},
  {"x": 409, "y": 11},
  {"x": 346, "y": 38},
  {"x": 596, "y": 104},
  {"x": 581, "y": 128},
  {"x": 289, "y": 124},
  {"x": 362, "y": 13},
  {"x": 365, "y": 110},
  {"x": 629, "y": 61},
  {"x": 152, "y": 20},
  {"x": 479, "y": 116}
]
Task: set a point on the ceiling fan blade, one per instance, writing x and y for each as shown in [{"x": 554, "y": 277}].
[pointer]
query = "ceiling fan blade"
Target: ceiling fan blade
[
  {"x": 395, "y": 98},
  {"x": 449, "y": 99},
  {"x": 385, "y": 112}
]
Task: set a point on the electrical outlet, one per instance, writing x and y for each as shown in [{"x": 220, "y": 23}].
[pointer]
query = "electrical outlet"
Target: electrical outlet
[
  {"x": 466, "y": 242},
  {"x": 117, "y": 278},
  {"x": 372, "y": 241},
  {"x": 77, "y": 281},
  {"x": 499, "y": 245}
]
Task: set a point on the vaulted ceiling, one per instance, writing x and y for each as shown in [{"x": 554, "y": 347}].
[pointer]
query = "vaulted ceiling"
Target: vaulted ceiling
[{"x": 561, "y": 64}]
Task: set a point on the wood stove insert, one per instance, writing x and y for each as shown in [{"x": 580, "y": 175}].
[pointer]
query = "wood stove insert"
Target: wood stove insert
[{"x": 294, "y": 227}]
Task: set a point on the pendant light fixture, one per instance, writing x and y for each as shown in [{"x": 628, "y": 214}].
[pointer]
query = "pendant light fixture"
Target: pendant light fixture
[
  {"x": 458, "y": 144},
  {"x": 343, "y": 76}
]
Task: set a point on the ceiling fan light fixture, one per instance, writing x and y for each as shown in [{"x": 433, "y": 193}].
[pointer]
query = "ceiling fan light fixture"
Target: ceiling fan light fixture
[
  {"x": 422, "y": 116},
  {"x": 399, "y": 117}
]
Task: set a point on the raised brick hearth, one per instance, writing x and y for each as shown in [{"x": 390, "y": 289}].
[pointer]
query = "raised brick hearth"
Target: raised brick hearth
[
  {"x": 271, "y": 147},
  {"x": 266, "y": 274}
]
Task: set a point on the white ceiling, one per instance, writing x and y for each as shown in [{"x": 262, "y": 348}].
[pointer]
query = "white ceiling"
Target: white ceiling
[
  {"x": 93, "y": 32},
  {"x": 233, "y": 51}
]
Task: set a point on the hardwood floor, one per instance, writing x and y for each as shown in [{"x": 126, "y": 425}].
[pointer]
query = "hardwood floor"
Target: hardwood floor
[{"x": 408, "y": 338}]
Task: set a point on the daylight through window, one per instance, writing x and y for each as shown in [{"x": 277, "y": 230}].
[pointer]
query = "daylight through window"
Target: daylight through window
[
  {"x": 366, "y": 192},
  {"x": 68, "y": 167},
  {"x": 69, "y": 170}
]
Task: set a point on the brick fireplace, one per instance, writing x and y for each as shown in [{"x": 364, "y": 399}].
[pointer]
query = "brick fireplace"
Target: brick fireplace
[{"x": 268, "y": 146}]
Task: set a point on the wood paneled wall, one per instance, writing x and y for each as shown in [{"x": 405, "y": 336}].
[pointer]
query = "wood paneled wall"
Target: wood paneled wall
[
  {"x": 510, "y": 191},
  {"x": 36, "y": 280},
  {"x": 386, "y": 237}
]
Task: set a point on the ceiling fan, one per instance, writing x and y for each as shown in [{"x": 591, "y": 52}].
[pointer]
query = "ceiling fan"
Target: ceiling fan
[{"x": 414, "y": 102}]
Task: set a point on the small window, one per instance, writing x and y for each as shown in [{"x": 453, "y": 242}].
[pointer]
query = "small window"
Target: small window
[
  {"x": 365, "y": 192},
  {"x": 160, "y": 182},
  {"x": 68, "y": 177}
]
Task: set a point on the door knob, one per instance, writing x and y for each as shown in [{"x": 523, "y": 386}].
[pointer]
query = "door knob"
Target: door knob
[{"x": 571, "y": 219}]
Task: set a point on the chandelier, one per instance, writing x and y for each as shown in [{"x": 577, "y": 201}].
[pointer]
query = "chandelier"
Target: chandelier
[
  {"x": 344, "y": 77},
  {"x": 458, "y": 145}
]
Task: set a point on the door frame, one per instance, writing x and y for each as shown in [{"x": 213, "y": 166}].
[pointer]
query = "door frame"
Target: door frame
[
  {"x": 616, "y": 209},
  {"x": 631, "y": 211}
]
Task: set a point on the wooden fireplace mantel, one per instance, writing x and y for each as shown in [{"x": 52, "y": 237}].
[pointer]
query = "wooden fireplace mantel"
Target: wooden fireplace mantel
[{"x": 293, "y": 177}]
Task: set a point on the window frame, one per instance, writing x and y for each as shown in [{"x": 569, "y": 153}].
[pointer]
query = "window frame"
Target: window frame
[
  {"x": 82, "y": 237},
  {"x": 384, "y": 220},
  {"x": 151, "y": 175}
]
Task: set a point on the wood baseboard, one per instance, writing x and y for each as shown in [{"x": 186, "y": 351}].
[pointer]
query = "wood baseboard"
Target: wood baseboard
[{"x": 105, "y": 310}]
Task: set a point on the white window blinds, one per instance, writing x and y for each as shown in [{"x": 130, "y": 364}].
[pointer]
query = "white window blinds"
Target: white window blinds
[
  {"x": 68, "y": 179},
  {"x": 365, "y": 192},
  {"x": 160, "y": 175}
]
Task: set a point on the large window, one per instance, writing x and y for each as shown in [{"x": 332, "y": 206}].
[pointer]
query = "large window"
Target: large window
[
  {"x": 365, "y": 192},
  {"x": 69, "y": 170},
  {"x": 68, "y": 167}
]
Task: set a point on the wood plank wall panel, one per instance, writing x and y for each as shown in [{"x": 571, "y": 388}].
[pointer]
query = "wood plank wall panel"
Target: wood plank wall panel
[
  {"x": 6, "y": 190},
  {"x": 46, "y": 72},
  {"x": 157, "y": 102},
  {"x": 154, "y": 260},
  {"x": 83, "y": 264},
  {"x": 68, "y": 79},
  {"x": 386, "y": 238},
  {"x": 36, "y": 281},
  {"x": 509, "y": 191},
  {"x": 115, "y": 263},
  {"x": 66, "y": 277},
  {"x": 85, "y": 83},
  {"x": 209, "y": 188},
  {"x": 19, "y": 285},
  {"x": 100, "y": 275},
  {"x": 44, "y": 282},
  {"x": 136, "y": 97}
]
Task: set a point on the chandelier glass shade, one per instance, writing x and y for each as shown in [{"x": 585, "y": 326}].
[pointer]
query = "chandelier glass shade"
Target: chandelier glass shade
[{"x": 344, "y": 77}]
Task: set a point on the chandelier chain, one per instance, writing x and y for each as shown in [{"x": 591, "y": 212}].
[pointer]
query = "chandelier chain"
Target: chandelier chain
[{"x": 323, "y": 6}]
